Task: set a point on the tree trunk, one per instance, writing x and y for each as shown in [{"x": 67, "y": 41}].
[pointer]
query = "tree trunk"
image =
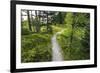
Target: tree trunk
[
  {"x": 32, "y": 22},
  {"x": 29, "y": 21},
  {"x": 60, "y": 17},
  {"x": 37, "y": 22},
  {"x": 72, "y": 32},
  {"x": 47, "y": 22}
]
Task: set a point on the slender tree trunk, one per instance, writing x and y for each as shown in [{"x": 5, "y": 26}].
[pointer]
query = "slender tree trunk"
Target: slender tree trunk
[
  {"x": 47, "y": 22},
  {"x": 71, "y": 39},
  {"x": 60, "y": 16},
  {"x": 72, "y": 32},
  {"x": 37, "y": 22},
  {"x": 29, "y": 21},
  {"x": 32, "y": 22}
]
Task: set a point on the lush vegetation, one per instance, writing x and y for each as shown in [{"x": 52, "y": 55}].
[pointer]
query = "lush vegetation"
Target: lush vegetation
[
  {"x": 35, "y": 47},
  {"x": 73, "y": 35},
  {"x": 74, "y": 40}
]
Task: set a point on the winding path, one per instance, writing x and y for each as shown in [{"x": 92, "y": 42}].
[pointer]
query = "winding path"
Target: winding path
[{"x": 56, "y": 50}]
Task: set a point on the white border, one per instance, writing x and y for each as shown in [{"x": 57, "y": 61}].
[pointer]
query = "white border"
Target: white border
[{"x": 20, "y": 65}]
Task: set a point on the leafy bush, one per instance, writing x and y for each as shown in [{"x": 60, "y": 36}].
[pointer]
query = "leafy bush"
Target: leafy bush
[
  {"x": 56, "y": 29},
  {"x": 36, "y": 48},
  {"x": 43, "y": 29},
  {"x": 25, "y": 31},
  {"x": 29, "y": 55},
  {"x": 77, "y": 49}
]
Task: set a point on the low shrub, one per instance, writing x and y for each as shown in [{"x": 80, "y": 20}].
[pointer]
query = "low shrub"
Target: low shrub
[
  {"x": 25, "y": 31},
  {"x": 36, "y": 48}
]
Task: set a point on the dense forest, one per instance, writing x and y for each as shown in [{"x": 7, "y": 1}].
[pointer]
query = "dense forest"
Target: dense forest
[{"x": 72, "y": 30}]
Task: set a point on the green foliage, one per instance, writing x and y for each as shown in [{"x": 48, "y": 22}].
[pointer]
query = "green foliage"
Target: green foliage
[
  {"x": 24, "y": 28},
  {"x": 25, "y": 31},
  {"x": 36, "y": 48},
  {"x": 73, "y": 35},
  {"x": 43, "y": 29},
  {"x": 69, "y": 19},
  {"x": 56, "y": 28},
  {"x": 58, "y": 17},
  {"x": 78, "y": 49},
  {"x": 82, "y": 20},
  {"x": 28, "y": 56},
  {"x": 25, "y": 24}
]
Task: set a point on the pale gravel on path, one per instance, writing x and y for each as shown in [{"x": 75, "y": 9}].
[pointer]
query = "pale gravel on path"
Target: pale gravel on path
[{"x": 56, "y": 49}]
